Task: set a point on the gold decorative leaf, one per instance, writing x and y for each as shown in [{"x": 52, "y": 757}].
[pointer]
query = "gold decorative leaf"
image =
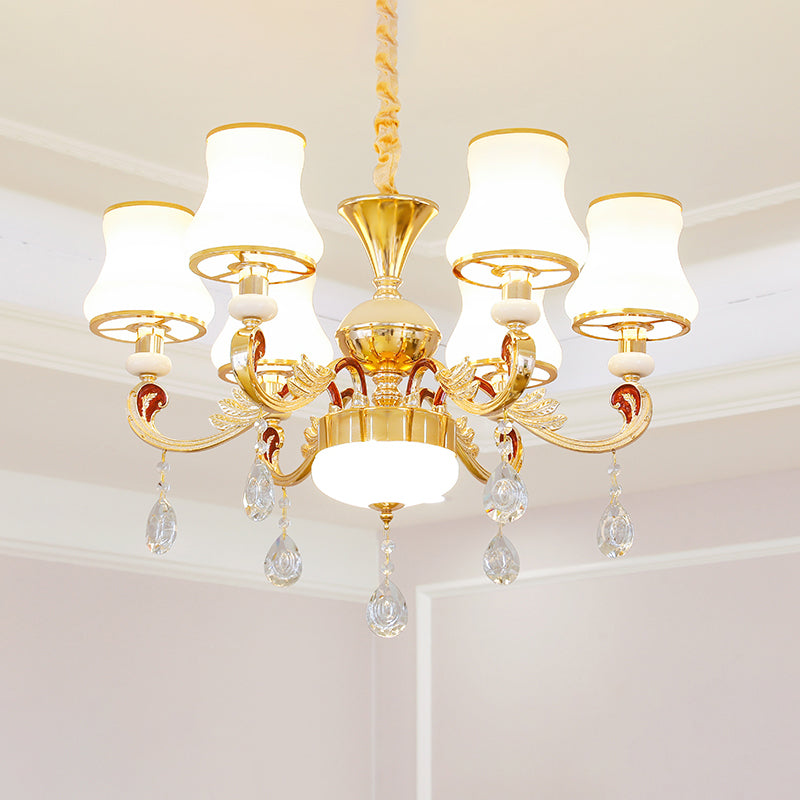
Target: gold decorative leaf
[
  {"x": 459, "y": 381},
  {"x": 308, "y": 379},
  {"x": 535, "y": 410},
  {"x": 237, "y": 412},
  {"x": 311, "y": 434},
  {"x": 466, "y": 435}
]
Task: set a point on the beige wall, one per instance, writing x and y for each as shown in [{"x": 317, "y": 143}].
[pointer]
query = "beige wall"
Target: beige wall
[
  {"x": 682, "y": 655},
  {"x": 116, "y": 685}
]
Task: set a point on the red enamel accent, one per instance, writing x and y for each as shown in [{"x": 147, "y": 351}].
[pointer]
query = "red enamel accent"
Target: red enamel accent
[
  {"x": 427, "y": 394},
  {"x": 424, "y": 363},
  {"x": 150, "y": 399},
  {"x": 335, "y": 395},
  {"x": 486, "y": 386},
  {"x": 260, "y": 348},
  {"x": 505, "y": 352},
  {"x": 627, "y": 399},
  {"x": 348, "y": 362},
  {"x": 272, "y": 439}
]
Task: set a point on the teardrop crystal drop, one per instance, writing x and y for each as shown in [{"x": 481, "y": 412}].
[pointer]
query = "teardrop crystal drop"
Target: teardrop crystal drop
[
  {"x": 259, "y": 492},
  {"x": 162, "y": 527},
  {"x": 501, "y": 560},
  {"x": 387, "y": 612},
  {"x": 283, "y": 564},
  {"x": 614, "y": 531},
  {"x": 505, "y": 497}
]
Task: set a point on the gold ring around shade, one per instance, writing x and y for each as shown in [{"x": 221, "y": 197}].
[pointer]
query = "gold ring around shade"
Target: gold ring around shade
[
  {"x": 306, "y": 266},
  {"x": 387, "y": 424},
  {"x": 159, "y": 203},
  {"x": 232, "y": 125},
  {"x": 500, "y": 366},
  {"x": 646, "y": 318},
  {"x": 286, "y": 366},
  {"x": 637, "y": 194},
  {"x": 565, "y": 266},
  {"x": 500, "y": 131},
  {"x": 98, "y": 323}
]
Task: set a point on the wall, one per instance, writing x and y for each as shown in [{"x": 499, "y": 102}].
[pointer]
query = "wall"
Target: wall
[
  {"x": 670, "y": 673},
  {"x": 133, "y": 686}
]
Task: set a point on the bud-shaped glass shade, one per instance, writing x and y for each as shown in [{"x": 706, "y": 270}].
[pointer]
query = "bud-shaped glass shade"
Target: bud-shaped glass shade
[
  {"x": 294, "y": 332},
  {"x": 145, "y": 279},
  {"x": 253, "y": 209},
  {"x": 632, "y": 276},
  {"x": 479, "y": 338},
  {"x": 516, "y": 215}
]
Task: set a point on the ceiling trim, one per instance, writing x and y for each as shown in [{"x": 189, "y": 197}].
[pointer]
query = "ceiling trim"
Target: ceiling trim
[
  {"x": 101, "y": 526},
  {"x": 328, "y": 220}
]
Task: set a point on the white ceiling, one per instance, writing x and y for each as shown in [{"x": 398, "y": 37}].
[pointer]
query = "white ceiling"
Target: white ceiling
[{"x": 103, "y": 103}]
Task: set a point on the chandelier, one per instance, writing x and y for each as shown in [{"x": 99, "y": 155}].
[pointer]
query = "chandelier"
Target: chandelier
[{"x": 390, "y": 437}]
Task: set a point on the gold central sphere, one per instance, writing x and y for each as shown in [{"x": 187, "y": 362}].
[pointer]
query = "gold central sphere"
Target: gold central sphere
[{"x": 388, "y": 334}]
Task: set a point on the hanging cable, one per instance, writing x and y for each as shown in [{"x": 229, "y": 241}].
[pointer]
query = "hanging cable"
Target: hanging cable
[{"x": 387, "y": 141}]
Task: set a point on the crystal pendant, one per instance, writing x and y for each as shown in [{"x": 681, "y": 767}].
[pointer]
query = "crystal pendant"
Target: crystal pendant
[
  {"x": 259, "y": 495},
  {"x": 505, "y": 497},
  {"x": 614, "y": 531},
  {"x": 161, "y": 527},
  {"x": 387, "y": 612},
  {"x": 501, "y": 560},
  {"x": 283, "y": 565}
]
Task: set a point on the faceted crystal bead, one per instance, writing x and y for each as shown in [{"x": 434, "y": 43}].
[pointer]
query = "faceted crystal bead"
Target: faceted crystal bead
[
  {"x": 259, "y": 494},
  {"x": 505, "y": 497},
  {"x": 614, "y": 531},
  {"x": 501, "y": 561},
  {"x": 387, "y": 612},
  {"x": 161, "y": 527},
  {"x": 283, "y": 565}
]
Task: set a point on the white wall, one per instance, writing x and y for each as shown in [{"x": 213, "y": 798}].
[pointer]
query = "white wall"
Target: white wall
[
  {"x": 117, "y": 685},
  {"x": 683, "y": 653}
]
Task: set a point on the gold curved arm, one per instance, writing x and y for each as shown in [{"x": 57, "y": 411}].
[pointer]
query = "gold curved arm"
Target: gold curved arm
[
  {"x": 631, "y": 400},
  {"x": 308, "y": 381},
  {"x": 461, "y": 385},
  {"x": 147, "y": 399},
  {"x": 273, "y": 436},
  {"x": 468, "y": 452}
]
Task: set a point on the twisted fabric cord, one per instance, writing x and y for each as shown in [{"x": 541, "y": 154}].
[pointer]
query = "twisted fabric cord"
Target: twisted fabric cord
[{"x": 387, "y": 141}]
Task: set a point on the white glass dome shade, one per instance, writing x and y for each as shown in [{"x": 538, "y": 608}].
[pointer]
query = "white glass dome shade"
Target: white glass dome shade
[
  {"x": 253, "y": 209},
  {"x": 145, "y": 279},
  {"x": 516, "y": 216},
  {"x": 633, "y": 275},
  {"x": 479, "y": 338},
  {"x": 295, "y": 331},
  {"x": 379, "y": 454}
]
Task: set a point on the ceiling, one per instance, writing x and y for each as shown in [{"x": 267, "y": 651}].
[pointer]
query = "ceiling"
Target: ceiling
[{"x": 103, "y": 103}]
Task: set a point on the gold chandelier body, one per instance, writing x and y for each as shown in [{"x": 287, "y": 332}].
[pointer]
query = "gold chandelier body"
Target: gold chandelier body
[{"x": 390, "y": 341}]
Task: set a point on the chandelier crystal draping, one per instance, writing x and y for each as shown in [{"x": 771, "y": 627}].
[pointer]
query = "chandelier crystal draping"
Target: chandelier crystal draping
[{"x": 390, "y": 437}]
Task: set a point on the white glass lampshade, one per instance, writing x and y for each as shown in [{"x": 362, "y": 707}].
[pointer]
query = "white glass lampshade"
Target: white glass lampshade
[
  {"x": 145, "y": 279},
  {"x": 362, "y": 473},
  {"x": 479, "y": 338},
  {"x": 633, "y": 273},
  {"x": 253, "y": 209},
  {"x": 516, "y": 214},
  {"x": 295, "y": 330}
]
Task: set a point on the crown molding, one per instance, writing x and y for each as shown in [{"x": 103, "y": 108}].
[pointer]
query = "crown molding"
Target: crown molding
[
  {"x": 73, "y": 528},
  {"x": 64, "y": 344}
]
